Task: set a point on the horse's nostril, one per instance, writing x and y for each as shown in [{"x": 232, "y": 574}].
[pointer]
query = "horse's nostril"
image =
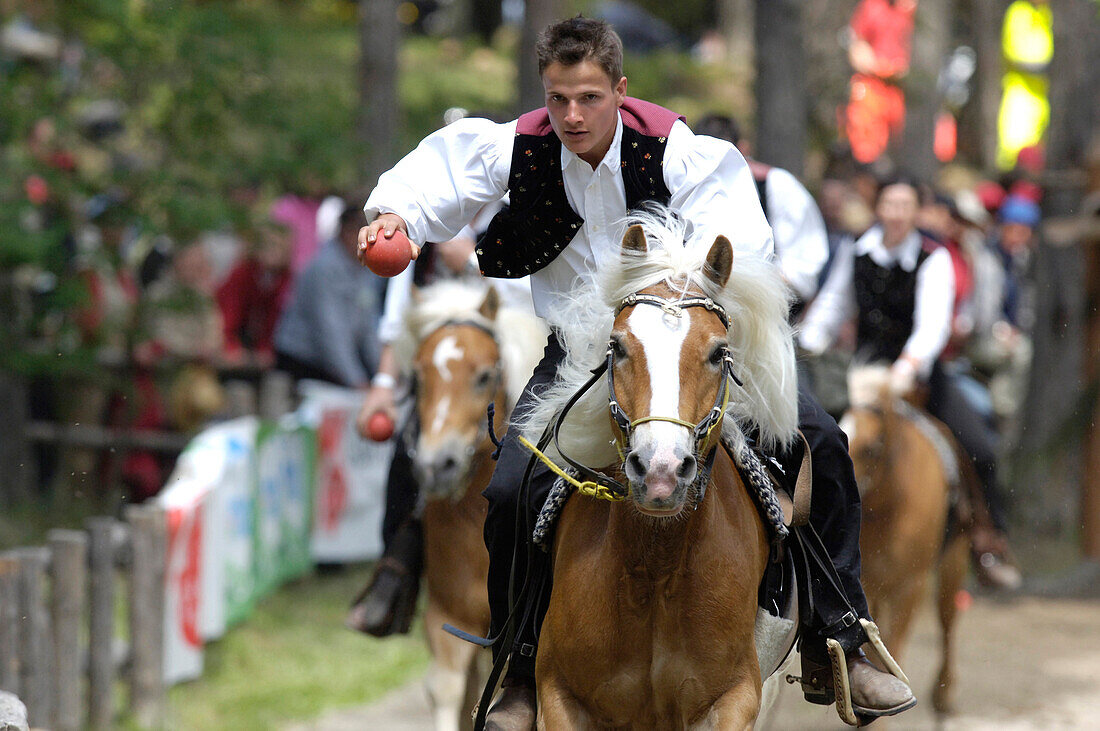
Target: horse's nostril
[
  {"x": 635, "y": 468},
  {"x": 687, "y": 468}
]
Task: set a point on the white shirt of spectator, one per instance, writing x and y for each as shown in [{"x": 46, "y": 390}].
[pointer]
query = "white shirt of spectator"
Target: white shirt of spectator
[
  {"x": 439, "y": 187},
  {"x": 935, "y": 297}
]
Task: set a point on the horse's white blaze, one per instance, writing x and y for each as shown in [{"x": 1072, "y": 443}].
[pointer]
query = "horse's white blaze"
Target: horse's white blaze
[
  {"x": 440, "y": 415},
  {"x": 662, "y": 337},
  {"x": 445, "y": 351}
]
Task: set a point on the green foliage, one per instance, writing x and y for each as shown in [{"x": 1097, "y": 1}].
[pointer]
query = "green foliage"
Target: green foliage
[{"x": 689, "y": 17}]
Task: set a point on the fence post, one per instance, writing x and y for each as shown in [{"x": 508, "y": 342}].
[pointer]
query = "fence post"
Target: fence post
[
  {"x": 101, "y": 622},
  {"x": 276, "y": 395},
  {"x": 148, "y": 539},
  {"x": 9, "y": 623},
  {"x": 240, "y": 398},
  {"x": 34, "y": 641},
  {"x": 68, "y": 574}
]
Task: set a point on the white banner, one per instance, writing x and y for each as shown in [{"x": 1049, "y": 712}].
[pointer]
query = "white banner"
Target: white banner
[{"x": 350, "y": 482}]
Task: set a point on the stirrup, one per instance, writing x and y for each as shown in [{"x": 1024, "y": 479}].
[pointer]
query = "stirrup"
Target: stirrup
[{"x": 841, "y": 687}]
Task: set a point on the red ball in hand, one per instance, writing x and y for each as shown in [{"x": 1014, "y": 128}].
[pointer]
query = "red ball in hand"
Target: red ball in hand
[
  {"x": 379, "y": 426},
  {"x": 388, "y": 257}
]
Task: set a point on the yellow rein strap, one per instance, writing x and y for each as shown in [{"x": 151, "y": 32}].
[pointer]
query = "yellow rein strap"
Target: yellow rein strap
[{"x": 591, "y": 489}]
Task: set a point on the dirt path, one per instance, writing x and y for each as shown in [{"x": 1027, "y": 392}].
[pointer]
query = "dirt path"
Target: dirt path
[{"x": 1022, "y": 665}]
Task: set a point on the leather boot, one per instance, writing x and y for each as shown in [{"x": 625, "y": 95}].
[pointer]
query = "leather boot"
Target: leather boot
[
  {"x": 993, "y": 561},
  {"x": 516, "y": 707},
  {"x": 875, "y": 692},
  {"x": 388, "y": 603}
]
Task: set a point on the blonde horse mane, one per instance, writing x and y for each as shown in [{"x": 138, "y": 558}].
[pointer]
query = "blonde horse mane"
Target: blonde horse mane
[
  {"x": 520, "y": 334},
  {"x": 760, "y": 339},
  {"x": 870, "y": 387}
]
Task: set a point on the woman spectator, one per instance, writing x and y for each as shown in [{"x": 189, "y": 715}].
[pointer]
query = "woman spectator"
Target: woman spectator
[{"x": 252, "y": 296}]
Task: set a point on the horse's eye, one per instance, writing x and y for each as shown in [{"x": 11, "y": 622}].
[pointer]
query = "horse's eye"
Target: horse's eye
[
  {"x": 717, "y": 356},
  {"x": 617, "y": 349},
  {"x": 484, "y": 379}
]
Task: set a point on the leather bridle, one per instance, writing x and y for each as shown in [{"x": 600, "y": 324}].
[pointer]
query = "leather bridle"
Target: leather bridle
[{"x": 706, "y": 432}]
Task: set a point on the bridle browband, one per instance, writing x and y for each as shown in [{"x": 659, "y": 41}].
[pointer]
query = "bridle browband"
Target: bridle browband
[
  {"x": 412, "y": 427},
  {"x": 703, "y": 432},
  {"x": 674, "y": 307}
]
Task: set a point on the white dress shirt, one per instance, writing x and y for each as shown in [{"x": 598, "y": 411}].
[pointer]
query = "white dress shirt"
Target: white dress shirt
[
  {"x": 935, "y": 297},
  {"x": 439, "y": 187},
  {"x": 801, "y": 243}
]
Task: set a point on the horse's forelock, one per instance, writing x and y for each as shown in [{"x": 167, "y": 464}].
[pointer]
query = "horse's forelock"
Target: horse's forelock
[{"x": 519, "y": 334}]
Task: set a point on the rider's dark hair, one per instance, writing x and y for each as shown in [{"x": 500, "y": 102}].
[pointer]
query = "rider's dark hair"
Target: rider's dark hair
[
  {"x": 578, "y": 39},
  {"x": 901, "y": 178},
  {"x": 721, "y": 126}
]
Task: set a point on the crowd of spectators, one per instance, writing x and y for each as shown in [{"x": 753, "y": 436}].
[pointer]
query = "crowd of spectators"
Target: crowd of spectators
[
  {"x": 990, "y": 229},
  {"x": 168, "y": 319},
  {"x": 165, "y": 329}
]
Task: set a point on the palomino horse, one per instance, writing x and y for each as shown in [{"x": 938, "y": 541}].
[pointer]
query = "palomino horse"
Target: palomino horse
[
  {"x": 466, "y": 353},
  {"x": 654, "y": 600},
  {"x": 905, "y": 464}
]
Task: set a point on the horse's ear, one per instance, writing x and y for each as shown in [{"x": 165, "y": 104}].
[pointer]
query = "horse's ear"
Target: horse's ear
[
  {"x": 720, "y": 261},
  {"x": 634, "y": 240},
  {"x": 490, "y": 304}
]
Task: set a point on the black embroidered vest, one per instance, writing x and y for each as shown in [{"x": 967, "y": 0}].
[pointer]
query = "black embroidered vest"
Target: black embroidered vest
[
  {"x": 539, "y": 223},
  {"x": 886, "y": 298}
]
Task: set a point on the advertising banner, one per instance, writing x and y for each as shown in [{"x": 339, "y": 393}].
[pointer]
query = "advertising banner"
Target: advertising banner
[
  {"x": 283, "y": 503},
  {"x": 350, "y": 479}
]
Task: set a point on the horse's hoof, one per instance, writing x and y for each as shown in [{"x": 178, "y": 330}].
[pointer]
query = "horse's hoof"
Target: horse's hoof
[{"x": 941, "y": 699}]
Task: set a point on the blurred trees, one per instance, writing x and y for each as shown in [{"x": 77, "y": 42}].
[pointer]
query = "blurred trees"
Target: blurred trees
[
  {"x": 537, "y": 15},
  {"x": 780, "y": 84},
  {"x": 1058, "y": 407},
  {"x": 379, "y": 36},
  {"x": 931, "y": 47}
]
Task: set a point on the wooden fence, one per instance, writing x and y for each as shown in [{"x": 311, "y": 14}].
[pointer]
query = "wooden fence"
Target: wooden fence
[{"x": 60, "y": 649}]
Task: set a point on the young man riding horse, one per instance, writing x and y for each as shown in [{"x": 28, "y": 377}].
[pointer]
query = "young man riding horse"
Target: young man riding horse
[
  {"x": 899, "y": 286},
  {"x": 572, "y": 170}
]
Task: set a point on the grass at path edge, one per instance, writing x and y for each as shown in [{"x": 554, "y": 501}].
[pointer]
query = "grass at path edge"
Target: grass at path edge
[{"x": 293, "y": 659}]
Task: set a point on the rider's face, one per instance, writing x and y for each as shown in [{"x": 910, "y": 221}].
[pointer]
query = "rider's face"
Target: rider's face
[
  {"x": 897, "y": 212},
  {"x": 584, "y": 107}
]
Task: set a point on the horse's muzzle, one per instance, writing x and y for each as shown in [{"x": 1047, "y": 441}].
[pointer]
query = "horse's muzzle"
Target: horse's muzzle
[
  {"x": 660, "y": 477},
  {"x": 440, "y": 472}
]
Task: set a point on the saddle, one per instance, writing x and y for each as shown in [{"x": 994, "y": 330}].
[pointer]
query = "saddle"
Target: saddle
[{"x": 801, "y": 569}]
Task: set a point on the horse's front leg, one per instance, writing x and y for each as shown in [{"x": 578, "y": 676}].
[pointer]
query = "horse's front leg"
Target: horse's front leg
[
  {"x": 735, "y": 710},
  {"x": 559, "y": 708},
  {"x": 452, "y": 659}
]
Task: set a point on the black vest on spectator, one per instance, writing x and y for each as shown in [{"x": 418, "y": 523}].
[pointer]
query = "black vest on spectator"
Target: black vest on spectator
[
  {"x": 886, "y": 298},
  {"x": 539, "y": 223}
]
